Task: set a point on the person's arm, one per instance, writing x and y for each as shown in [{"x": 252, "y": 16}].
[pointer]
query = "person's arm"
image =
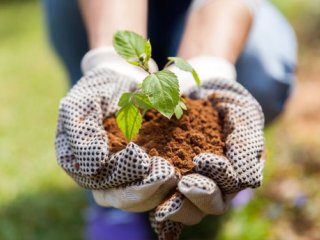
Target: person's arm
[
  {"x": 219, "y": 29},
  {"x": 104, "y": 17}
]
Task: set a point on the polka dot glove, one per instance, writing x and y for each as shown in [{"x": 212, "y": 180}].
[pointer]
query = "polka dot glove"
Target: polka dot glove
[
  {"x": 128, "y": 179},
  {"x": 217, "y": 178}
]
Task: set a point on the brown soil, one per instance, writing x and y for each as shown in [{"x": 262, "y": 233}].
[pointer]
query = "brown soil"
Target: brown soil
[{"x": 178, "y": 141}]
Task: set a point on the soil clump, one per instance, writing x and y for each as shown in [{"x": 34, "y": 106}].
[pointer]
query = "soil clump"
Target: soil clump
[{"x": 178, "y": 141}]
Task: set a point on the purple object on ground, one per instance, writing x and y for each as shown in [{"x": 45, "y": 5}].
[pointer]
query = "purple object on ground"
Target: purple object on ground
[
  {"x": 243, "y": 198},
  {"x": 300, "y": 200},
  {"x": 110, "y": 224}
]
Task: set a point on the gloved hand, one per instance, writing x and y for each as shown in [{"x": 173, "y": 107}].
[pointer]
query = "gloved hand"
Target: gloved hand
[
  {"x": 128, "y": 179},
  {"x": 217, "y": 178}
]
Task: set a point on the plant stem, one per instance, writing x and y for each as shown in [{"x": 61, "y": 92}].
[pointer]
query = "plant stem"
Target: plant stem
[
  {"x": 145, "y": 67},
  {"x": 167, "y": 64}
]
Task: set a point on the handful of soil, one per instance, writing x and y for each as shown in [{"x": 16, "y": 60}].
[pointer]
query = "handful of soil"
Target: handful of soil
[{"x": 177, "y": 141}]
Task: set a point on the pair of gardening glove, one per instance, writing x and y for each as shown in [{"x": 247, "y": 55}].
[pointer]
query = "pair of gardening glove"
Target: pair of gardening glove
[{"x": 130, "y": 179}]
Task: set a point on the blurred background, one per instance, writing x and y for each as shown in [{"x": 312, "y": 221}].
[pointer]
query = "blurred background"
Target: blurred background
[{"x": 39, "y": 201}]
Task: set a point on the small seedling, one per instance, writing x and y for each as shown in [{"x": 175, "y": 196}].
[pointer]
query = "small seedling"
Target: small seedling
[{"x": 159, "y": 90}]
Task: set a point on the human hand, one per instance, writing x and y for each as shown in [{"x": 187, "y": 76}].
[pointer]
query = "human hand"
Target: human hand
[
  {"x": 128, "y": 179},
  {"x": 217, "y": 178}
]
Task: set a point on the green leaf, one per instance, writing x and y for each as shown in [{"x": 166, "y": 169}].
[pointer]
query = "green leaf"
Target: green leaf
[
  {"x": 129, "y": 120},
  {"x": 182, "y": 105},
  {"x": 162, "y": 89},
  {"x": 185, "y": 66},
  {"x": 124, "y": 99},
  {"x": 134, "y": 63},
  {"x": 182, "y": 64},
  {"x": 196, "y": 77},
  {"x": 142, "y": 101},
  {"x": 178, "y": 112},
  {"x": 129, "y": 45},
  {"x": 147, "y": 50}
]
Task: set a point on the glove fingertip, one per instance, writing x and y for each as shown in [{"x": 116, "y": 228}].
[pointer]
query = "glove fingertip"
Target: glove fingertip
[{"x": 219, "y": 169}]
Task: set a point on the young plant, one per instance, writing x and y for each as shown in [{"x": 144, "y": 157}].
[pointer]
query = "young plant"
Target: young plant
[{"x": 159, "y": 90}]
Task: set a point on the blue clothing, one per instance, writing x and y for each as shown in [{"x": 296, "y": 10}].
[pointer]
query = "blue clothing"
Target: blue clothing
[{"x": 266, "y": 66}]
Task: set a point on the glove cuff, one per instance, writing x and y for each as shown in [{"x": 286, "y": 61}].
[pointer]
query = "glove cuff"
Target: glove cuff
[
  {"x": 107, "y": 57},
  {"x": 207, "y": 67}
]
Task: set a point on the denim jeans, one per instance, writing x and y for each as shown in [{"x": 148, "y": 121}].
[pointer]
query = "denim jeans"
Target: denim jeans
[{"x": 266, "y": 66}]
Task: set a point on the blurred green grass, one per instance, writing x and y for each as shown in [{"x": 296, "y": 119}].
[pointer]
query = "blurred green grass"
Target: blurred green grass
[{"x": 37, "y": 199}]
